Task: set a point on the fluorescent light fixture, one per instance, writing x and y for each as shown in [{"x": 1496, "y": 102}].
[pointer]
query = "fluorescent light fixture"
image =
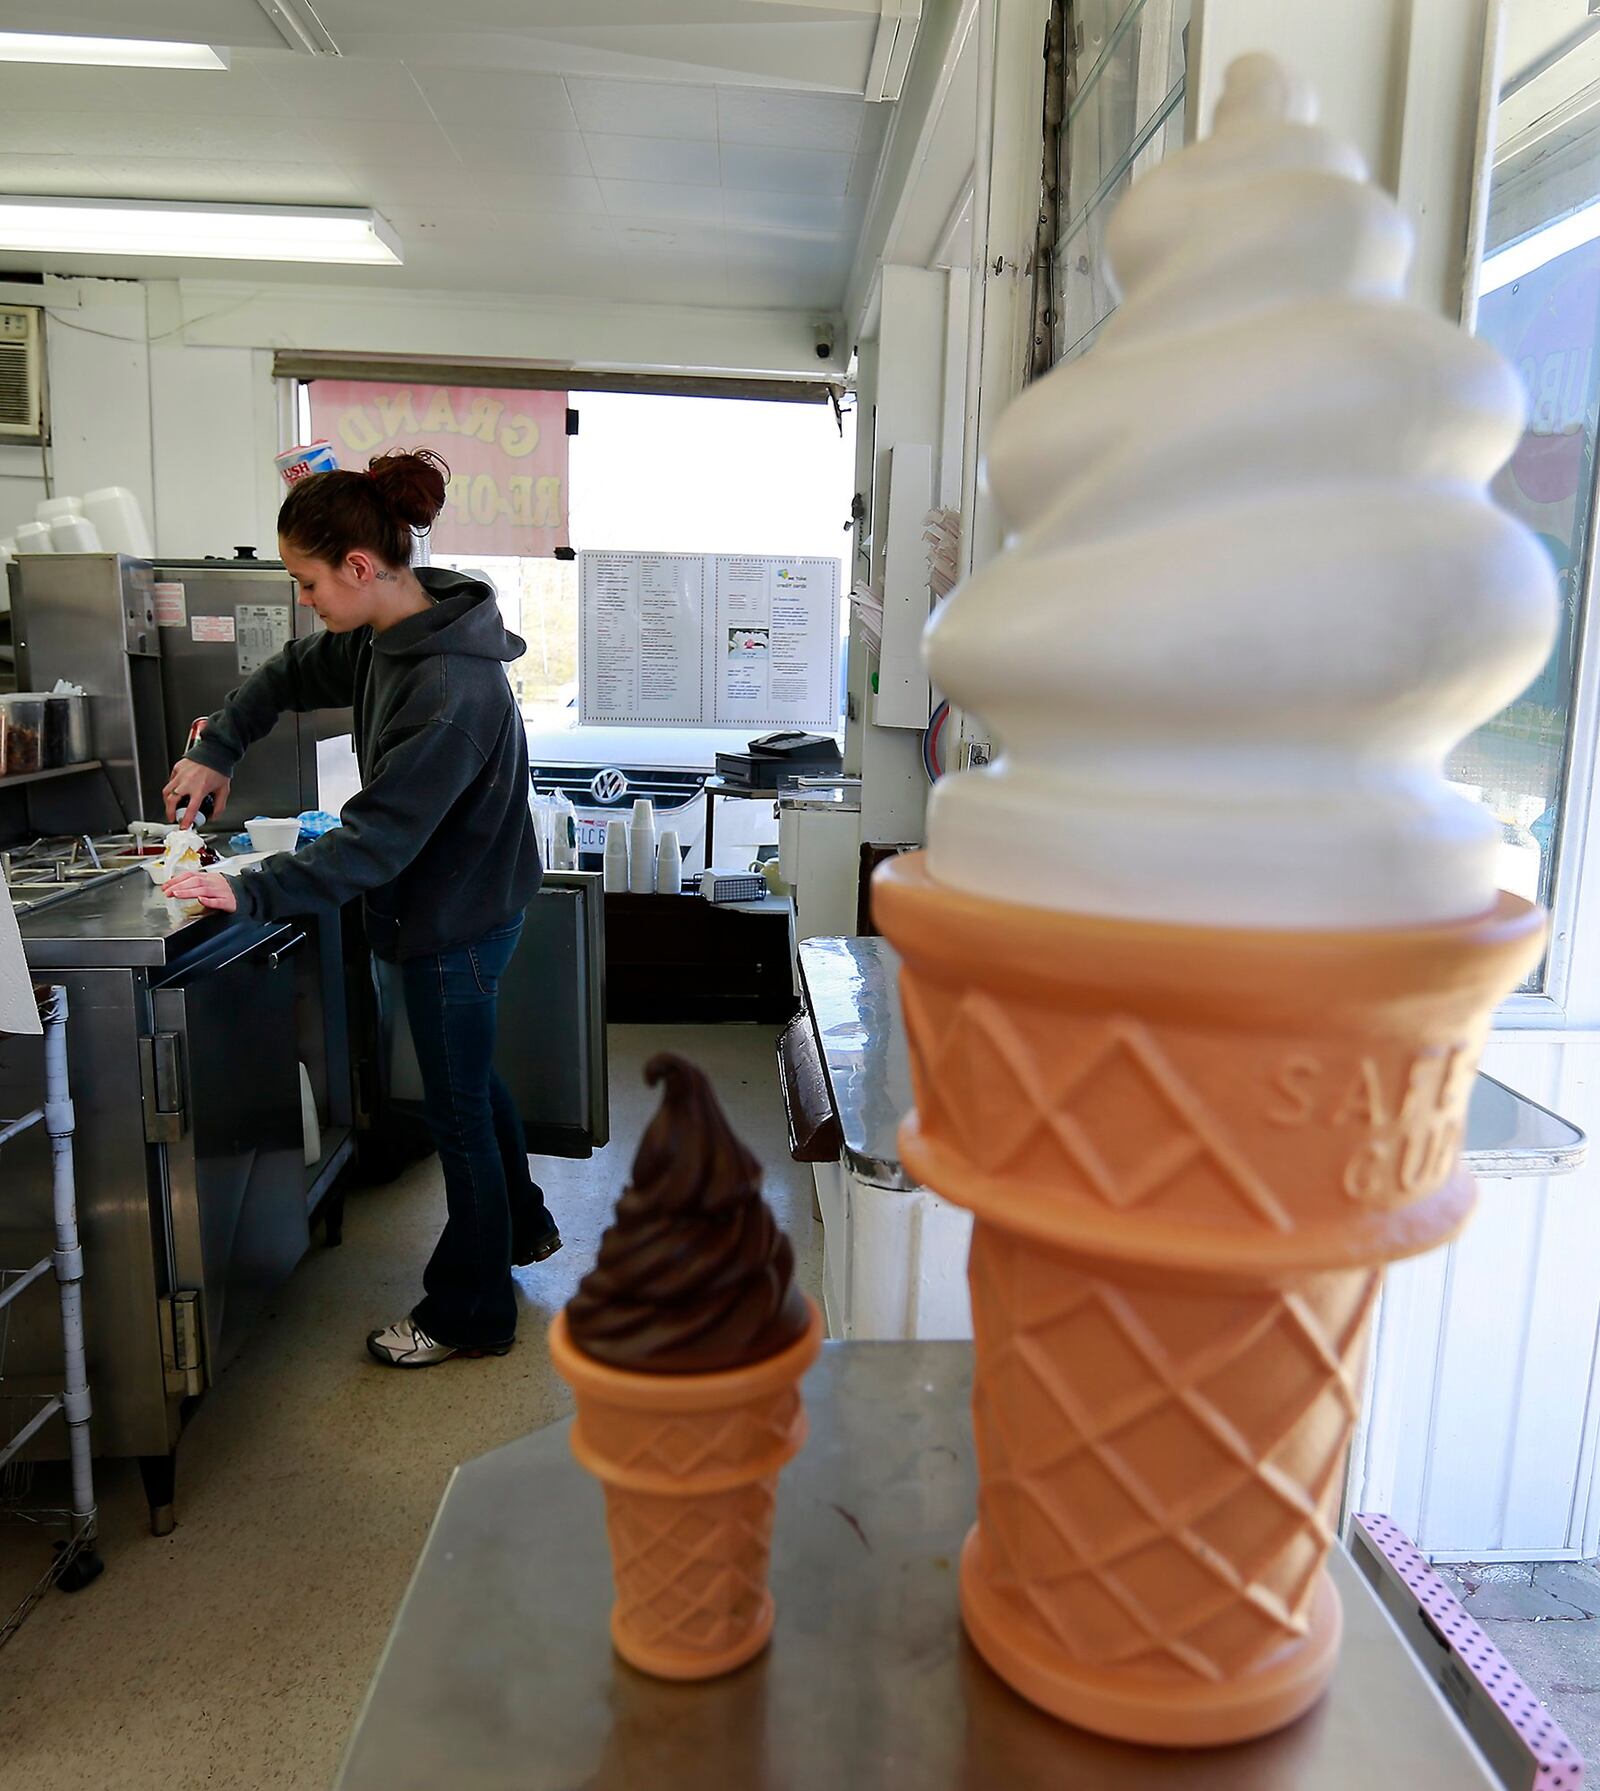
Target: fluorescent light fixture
[
  {"x": 221, "y": 232},
  {"x": 107, "y": 52},
  {"x": 1519, "y": 258}
]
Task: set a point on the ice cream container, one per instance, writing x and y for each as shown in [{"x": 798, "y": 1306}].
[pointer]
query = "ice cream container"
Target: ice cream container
[
  {"x": 300, "y": 463},
  {"x": 119, "y": 520},
  {"x": 74, "y": 534}
]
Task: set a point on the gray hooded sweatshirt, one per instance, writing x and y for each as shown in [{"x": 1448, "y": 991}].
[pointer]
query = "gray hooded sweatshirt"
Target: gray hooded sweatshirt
[{"x": 440, "y": 840}]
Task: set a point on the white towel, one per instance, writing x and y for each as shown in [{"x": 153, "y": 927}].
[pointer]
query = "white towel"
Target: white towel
[{"x": 18, "y": 1012}]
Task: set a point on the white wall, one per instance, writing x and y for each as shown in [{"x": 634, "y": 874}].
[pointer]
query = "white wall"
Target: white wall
[{"x": 166, "y": 387}]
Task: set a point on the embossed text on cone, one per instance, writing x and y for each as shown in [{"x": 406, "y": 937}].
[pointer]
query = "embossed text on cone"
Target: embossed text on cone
[
  {"x": 1190, "y": 1151},
  {"x": 690, "y": 1466}
]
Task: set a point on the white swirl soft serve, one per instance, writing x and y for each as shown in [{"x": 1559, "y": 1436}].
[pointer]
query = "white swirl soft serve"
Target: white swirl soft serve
[{"x": 1256, "y": 588}]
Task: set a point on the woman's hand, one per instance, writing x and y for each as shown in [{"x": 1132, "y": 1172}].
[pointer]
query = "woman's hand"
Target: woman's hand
[
  {"x": 189, "y": 785},
  {"x": 210, "y": 888}
]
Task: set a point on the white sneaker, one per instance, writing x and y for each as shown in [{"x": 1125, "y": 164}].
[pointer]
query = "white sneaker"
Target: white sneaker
[{"x": 405, "y": 1344}]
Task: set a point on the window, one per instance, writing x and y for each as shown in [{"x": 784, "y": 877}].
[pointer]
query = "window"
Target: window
[
  {"x": 698, "y": 475},
  {"x": 1125, "y": 63},
  {"x": 1538, "y": 302},
  {"x": 1547, "y": 324}
]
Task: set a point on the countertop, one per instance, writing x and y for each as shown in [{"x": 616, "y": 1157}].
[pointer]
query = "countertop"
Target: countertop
[
  {"x": 114, "y": 925},
  {"x": 498, "y": 1674},
  {"x": 851, "y": 989}
]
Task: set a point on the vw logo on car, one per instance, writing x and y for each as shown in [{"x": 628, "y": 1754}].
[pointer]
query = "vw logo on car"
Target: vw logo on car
[{"x": 608, "y": 786}]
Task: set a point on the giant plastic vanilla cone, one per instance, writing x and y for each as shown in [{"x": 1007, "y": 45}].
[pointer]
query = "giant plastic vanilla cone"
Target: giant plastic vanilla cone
[
  {"x": 1198, "y": 970},
  {"x": 1190, "y": 1151},
  {"x": 690, "y": 1466}
]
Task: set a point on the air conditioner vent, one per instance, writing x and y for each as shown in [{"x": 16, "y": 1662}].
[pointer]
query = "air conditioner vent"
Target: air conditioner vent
[{"x": 21, "y": 388}]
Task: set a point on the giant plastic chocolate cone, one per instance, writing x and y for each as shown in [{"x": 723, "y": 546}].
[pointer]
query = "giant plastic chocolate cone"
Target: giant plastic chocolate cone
[
  {"x": 685, "y": 1346},
  {"x": 1190, "y": 1152},
  {"x": 690, "y": 1465},
  {"x": 1197, "y": 972}
]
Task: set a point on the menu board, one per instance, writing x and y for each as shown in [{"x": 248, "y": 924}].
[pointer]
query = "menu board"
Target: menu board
[{"x": 709, "y": 640}]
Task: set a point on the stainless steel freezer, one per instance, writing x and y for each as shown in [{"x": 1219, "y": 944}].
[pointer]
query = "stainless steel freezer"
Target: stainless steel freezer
[{"x": 189, "y": 1149}]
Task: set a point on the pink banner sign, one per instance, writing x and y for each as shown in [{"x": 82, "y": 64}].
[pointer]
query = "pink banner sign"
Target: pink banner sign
[{"x": 506, "y": 450}]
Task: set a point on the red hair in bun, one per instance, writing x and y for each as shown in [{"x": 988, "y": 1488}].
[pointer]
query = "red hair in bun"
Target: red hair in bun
[{"x": 380, "y": 511}]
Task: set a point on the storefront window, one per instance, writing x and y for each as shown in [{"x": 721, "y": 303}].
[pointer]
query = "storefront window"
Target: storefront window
[
  {"x": 1538, "y": 302},
  {"x": 678, "y": 475},
  {"x": 1126, "y": 63},
  {"x": 1546, "y": 323}
]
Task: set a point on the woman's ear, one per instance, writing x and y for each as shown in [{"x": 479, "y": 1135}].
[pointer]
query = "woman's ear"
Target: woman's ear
[{"x": 360, "y": 566}]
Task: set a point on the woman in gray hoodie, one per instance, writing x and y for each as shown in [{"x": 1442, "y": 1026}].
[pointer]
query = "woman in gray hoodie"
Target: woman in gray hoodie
[{"x": 439, "y": 845}]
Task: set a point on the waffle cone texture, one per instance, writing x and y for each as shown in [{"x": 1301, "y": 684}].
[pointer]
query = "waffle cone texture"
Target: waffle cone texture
[
  {"x": 690, "y": 1466},
  {"x": 1189, "y": 1152}
]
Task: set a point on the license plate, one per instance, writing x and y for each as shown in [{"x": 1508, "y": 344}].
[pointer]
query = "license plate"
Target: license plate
[{"x": 591, "y": 835}]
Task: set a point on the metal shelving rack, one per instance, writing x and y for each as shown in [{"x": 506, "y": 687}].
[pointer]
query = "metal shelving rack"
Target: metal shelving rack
[{"x": 75, "y": 1561}]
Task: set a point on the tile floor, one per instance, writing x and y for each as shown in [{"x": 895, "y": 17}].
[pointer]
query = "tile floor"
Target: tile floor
[
  {"x": 1545, "y": 1619},
  {"x": 232, "y": 1654}
]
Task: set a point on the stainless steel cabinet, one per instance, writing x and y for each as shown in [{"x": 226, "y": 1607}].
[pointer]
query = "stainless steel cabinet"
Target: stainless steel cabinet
[{"x": 224, "y": 1029}]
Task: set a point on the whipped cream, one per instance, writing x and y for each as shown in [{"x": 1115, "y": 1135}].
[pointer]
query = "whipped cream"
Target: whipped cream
[{"x": 1256, "y": 588}]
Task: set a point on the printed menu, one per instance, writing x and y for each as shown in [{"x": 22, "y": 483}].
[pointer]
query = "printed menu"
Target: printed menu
[{"x": 709, "y": 640}]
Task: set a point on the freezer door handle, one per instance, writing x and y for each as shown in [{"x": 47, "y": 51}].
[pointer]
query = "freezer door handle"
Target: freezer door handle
[
  {"x": 289, "y": 947},
  {"x": 161, "y": 1075}
]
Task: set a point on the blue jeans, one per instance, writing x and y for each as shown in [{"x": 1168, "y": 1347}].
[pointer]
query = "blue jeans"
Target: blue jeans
[{"x": 451, "y": 1001}]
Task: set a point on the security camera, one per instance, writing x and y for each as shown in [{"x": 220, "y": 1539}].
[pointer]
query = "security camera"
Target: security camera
[{"x": 824, "y": 335}]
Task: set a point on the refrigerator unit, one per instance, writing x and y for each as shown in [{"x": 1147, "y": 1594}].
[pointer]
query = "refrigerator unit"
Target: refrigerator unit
[
  {"x": 156, "y": 646},
  {"x": 220, "y": 620},
  {"x": 91, "y": 618}
]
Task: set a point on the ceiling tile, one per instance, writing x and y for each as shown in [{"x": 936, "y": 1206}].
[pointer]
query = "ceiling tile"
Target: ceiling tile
[
  {"x": 755, "y": 167},
  {"x": 788, "y": 120},
  {"x": 661, "y": 199},
  {"x": 811, "y": 214},
  {"x": 547, "y": 195},
  {"x": 644, "y": 108},
  {"x": 95, "y": 134},
  {"x": 658, "y": 237},
  {"x": 501, "y": 149},
  {"x": 502, "y": 96},
  {"x": 775, "y": 287},
  {"x": 654, "y": 158},
  {"x": 338, "y": 89},
  {"x": 512, "y": 194}
]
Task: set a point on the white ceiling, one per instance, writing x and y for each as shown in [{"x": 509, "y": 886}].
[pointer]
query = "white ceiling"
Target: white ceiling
[{"x": 709, "y": 152}]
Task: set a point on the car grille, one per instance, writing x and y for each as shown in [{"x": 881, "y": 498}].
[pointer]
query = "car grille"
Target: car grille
[{"x": 667, "y": 790}]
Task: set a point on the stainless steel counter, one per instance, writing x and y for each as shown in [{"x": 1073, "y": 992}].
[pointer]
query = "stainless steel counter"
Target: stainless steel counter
[
  {"x": 499, "y": 1674},
  {"x": 852, "y": 991},
  {"x": 114, "y": 925}
]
